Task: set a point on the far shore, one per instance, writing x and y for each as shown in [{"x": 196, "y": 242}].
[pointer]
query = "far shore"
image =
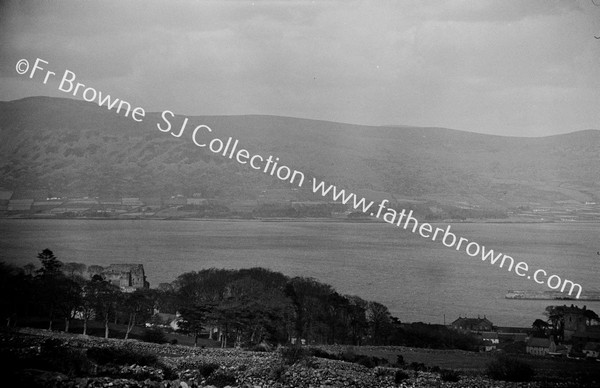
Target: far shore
[{"x": 306, "y": 219}]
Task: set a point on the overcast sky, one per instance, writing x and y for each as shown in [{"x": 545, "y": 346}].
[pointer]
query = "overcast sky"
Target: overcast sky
[{"x": 516, "y": 67}]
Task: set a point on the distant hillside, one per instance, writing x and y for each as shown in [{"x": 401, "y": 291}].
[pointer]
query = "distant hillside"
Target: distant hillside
[{"x": 67, "y": 147}]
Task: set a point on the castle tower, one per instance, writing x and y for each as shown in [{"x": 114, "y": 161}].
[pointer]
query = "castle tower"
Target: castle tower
[{"x": 575, "y": 321}]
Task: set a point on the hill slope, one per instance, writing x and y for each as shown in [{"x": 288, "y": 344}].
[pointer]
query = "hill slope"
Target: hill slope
[{"x": 69, "y": 147}]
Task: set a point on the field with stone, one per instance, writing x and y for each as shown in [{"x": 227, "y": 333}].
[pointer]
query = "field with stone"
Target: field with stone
[{"x": 39, "y": 358}]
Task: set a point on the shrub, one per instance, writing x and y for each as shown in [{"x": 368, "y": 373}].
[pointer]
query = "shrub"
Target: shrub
[
  {"x": 509, "y": 369},
  {"x": 293, "y": 354},
  {"x": 276, "y": 373},
  {"x": 137, "y": 374},
  {"x": 260, "y": 347},
  {"x": 370, "y": 361},
  {"x": 71, "y": 362},
  {"x": 51, "y": 345},
  {"x": 381, "y": 361},
  {"x": 120, "y": 356},
  {"x": 399, "y": 359},
  {"x": 400, "y": 376},
  {"x": 383, "y": 371},
  {"x": 54, "y": 356},
  {"x": 221, "y": 378},
  {"x": 316, "y": 352},
  {"x": 518, "y": 347},
  {"x": 449, "y": 375},
  {"x": 348, "y": 355},
  {"x": 309, "y": 362},
  {"x": 168, "y": 372},
  {"x": 366, "y": 361},
  {"x": 207, "y": 369},
  {"x": 74, "y": 362},
  {"x": 418, "y": 366},
  {"x": 155, "y": 336}
]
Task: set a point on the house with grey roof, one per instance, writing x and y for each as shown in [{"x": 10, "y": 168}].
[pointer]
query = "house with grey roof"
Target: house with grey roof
[
  {"x": 473, "y": 324},
  {"x": 538, "y": 346}
]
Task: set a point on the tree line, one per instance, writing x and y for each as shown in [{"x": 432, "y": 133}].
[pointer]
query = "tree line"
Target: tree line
[
  {"x": 60, "y": 291},
  {"x": 243, "y": 307}
]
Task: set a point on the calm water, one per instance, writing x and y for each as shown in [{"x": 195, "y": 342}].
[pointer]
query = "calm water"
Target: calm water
[{"x": 418, "y": 279}]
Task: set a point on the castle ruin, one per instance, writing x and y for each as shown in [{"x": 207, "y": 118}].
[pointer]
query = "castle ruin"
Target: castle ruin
[{"x": 128, "y": 277}]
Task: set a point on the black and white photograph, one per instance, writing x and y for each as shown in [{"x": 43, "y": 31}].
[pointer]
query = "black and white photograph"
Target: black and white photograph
[{"x": 310, "y": 194}]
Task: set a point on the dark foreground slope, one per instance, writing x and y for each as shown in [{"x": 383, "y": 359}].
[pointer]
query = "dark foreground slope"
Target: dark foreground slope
[{"x": 45, "y": 359}]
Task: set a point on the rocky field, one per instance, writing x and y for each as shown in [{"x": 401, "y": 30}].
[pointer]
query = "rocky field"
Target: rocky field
[{"x": 38, "y": 358}]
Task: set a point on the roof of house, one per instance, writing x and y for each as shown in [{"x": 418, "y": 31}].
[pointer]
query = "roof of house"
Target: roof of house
[
  {"x": 247, "y": 205},
  {"x": 539, "y": 342},
  {"x": 519, "y": 337},
  {"x": 470, "y": 321},
  {"x": 489, "y": 335},
  {"x": 117, "y": 268},
  {"x": 165, "y": 317}
]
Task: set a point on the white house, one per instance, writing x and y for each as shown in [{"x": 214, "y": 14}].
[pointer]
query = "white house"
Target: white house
[{"x": 490, "y": 336}]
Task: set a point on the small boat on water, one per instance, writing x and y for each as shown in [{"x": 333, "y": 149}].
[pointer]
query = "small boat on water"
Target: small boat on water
[{"x": 550, "y": 295}]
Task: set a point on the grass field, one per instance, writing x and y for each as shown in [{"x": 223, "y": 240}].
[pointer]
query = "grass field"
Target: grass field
[
  {"x": 551, "y": 368},
  {"x": 117, "y": 331}
]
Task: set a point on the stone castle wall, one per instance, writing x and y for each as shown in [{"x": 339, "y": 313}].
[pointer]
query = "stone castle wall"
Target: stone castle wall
[{"x": 128, "y": 277}]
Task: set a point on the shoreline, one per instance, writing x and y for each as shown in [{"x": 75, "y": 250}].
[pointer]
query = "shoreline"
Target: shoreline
[{"x": 299, "y": 220}]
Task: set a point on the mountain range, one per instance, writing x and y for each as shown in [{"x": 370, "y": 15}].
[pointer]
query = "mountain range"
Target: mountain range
[{"x": 64, "y": 147}]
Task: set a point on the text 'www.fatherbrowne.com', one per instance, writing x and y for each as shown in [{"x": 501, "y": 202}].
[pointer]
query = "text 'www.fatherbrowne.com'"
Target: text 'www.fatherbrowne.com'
[
  {"x": 204, "y": 137},
  {"x": 449, "y": 239}
]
